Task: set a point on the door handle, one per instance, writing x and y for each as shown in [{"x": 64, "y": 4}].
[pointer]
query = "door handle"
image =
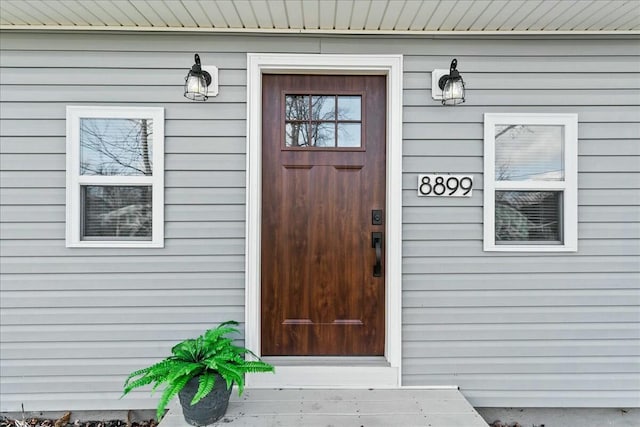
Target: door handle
[{"x": 376, "y": 243}]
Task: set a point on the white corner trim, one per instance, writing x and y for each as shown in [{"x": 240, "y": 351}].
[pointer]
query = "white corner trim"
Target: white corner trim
[{"x": 391, "y": 66}]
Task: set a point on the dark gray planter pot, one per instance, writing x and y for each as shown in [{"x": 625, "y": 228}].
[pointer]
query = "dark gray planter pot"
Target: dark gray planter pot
[{"x": 211, "y": 408}]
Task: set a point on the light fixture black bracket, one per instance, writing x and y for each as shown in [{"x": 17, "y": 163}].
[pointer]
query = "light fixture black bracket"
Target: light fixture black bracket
[
  {"x": 197, "y": 69},
  {"x": 453, "y": 75}
]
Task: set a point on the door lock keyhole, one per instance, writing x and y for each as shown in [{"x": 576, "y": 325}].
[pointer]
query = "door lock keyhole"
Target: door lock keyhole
[{"x": 376, "y": 217}]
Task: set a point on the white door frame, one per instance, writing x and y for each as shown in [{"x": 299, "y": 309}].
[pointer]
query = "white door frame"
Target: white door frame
[{"x": 326, "y": 374}]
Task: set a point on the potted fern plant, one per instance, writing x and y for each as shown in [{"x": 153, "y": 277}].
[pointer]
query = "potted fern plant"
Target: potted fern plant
[{"x": 201, "y": 372}]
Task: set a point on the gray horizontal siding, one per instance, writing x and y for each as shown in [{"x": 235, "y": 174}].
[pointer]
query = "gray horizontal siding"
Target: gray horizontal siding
[
  {"x": 535, "y": 280},
  {"x": 192, "y": 229},
  {"x": 589, "y": 197},
  {"x": 152, "y": 280},
  {"x": 520, "y": 314},
  {"x": 74, "y": 323},
  {"x": 53, "y": 213},
  {"x": 195, "y": 212},
  {"x": 173, "y": 128},
  {"x": 51, "y": 179},
  {"x": 524, "y": 329},
  {"x": 509, "y": 329},
  {"x": 411, "y": 114},
  {"x": 153, "y": 315}
]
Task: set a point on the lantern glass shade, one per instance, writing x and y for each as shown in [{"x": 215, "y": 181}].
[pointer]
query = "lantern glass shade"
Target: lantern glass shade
[
  {"x": 195, "y": 87},
  {"x": 196, "y": 84},
  {"x": 452, "y": 86},
  {"x": 453, "y": 91}
]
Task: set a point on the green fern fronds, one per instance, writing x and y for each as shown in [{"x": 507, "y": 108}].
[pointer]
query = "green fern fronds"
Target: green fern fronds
[
  {"x": 209, "y": 354},
  {"x": 231, "y": 374},
  {"x": 205, "y": 385},
  {"x": 169, "y": 393},
  {"x": 185, "y": 369},
  {"x": 257, "y": 366},
  {"x": 157, "y": 373},
  {"x": 185, "y": 350},
  {"x": 214, "y": 339},
  {"x": 137, "y": 383}
]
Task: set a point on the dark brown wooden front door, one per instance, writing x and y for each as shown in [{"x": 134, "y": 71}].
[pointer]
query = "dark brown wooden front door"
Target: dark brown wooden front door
[{"x": 323, "y": 160}]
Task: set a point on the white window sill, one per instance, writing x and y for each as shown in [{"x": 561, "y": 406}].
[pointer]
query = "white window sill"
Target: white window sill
[
  {"x": 530, "y": 248},
  {"x": 115, "y": 244}
]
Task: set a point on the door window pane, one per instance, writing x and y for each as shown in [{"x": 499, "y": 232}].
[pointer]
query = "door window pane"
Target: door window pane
[
  {"x": 116, "y": 146},
  {"x": 349, "y": 135},
  {"x": 529, "y": 152},
  {"x": 531, "y": 216},
  {"x": 324, "y": 135},
  {"x": 297, "y": 107},
  {"x": 323, "y": 108},
  {"x": 116, "y": 212},
  {"x": 297, "y": 134},
  {"x": 349, "y": 107}
]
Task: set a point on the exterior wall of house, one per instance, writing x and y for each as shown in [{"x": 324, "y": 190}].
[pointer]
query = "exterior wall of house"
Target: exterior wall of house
[{"x": 511, "y": 329}]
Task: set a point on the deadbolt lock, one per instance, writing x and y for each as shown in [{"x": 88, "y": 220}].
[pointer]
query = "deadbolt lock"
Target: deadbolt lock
[{"x": 376, "y": 217}]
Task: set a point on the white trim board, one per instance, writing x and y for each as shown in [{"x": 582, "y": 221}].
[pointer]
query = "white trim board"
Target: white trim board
[
  {"x": 299, "y": 376},
  {"x": 315, "y": 31},
  {"x": 568, "y": 186},
  {"x": 74, "y": 179}
]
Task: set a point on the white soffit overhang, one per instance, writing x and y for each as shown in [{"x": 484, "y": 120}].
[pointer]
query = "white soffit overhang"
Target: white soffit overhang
[{"x": 446, "y": 17}]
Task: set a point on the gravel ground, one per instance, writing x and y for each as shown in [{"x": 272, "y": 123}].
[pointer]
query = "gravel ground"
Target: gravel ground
[
  {"x": 498, "y": 423},
  {"x": 66, "y": 421}
]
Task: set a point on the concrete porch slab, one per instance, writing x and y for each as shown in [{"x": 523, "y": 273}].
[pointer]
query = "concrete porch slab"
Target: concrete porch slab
[{"x": 342, "y": 408}]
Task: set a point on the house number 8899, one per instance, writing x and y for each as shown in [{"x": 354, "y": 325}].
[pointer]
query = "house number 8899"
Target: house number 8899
[{"x": 445, "y": 185}]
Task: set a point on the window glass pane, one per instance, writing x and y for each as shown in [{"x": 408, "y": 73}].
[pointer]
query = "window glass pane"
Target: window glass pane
[
  {"x": 116, "y": 212},
  {"x": 324, "y": 135},
  {"x": 323, "y": 107},
  {"x": 116, "y": 146},
  {"x": 528, "y": 216},
  {"x": 296, "y": 107},
  {"x": 349, "y": 107},
  {"x": 297, "y": 134},
  {"x": 349, "y": 135},
  {"x": 526, "y": 152}
]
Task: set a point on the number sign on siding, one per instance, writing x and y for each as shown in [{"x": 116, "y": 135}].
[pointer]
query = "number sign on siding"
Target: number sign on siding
[{"x": 434, "y": 185}]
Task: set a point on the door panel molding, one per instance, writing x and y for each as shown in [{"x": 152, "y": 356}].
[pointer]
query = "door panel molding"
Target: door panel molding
[{"x": 390, "y": 66}]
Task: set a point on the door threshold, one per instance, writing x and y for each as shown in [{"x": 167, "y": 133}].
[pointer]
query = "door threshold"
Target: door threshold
[
  {"x": 327, "y": 372},
  {"x": 353, "y": 361}
]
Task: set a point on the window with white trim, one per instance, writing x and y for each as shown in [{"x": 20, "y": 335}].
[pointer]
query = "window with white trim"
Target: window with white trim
[
  {"x": 530, "y": 182},
  {"x": 115, "y": 176}
]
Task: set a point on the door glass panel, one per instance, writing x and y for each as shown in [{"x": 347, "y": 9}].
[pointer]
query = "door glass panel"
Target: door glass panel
[
  {"x": 529, "y": 152},
  {"x": 349, "y": 135},
  {"x": 334, "y": 121},
  {"x": 297, "y": 107},
  {"x": 324, "y": 135},
  {"x": 349, "y": 107},
  {"x": 323, "y": 108},
  {"x": 297, "y": 134}
]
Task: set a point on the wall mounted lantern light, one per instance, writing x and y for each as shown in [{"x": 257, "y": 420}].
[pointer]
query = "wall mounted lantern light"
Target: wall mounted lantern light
[
  {"x": 449, "y": 88},
  {"x": 201, "y": 82}
]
